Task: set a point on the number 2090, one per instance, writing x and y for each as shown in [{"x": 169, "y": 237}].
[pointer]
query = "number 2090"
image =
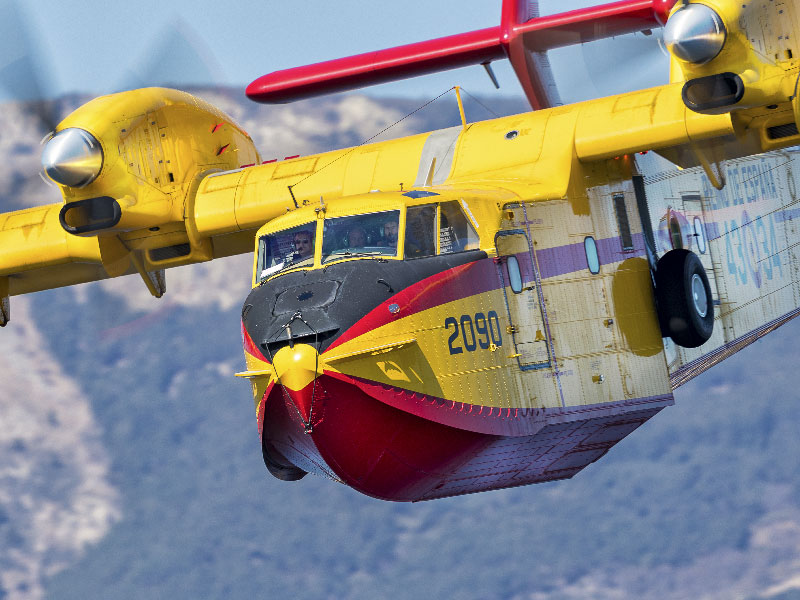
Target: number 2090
[{"x": 480, "y": 332}]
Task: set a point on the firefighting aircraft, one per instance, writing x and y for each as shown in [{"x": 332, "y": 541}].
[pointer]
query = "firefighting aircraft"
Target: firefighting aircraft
[{"x": 485, "y": 306}]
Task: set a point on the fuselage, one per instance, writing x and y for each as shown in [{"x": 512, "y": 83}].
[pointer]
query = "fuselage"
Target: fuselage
[
  {"x": 519, "y": 356},
  {"x": 486, "y": 360}
]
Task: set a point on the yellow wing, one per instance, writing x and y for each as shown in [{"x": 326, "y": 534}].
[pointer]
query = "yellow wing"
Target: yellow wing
[{"x": 156, "y": 178}]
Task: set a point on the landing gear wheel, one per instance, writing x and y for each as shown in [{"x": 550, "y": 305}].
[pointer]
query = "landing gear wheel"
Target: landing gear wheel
[{"x": 685, "y": 309}]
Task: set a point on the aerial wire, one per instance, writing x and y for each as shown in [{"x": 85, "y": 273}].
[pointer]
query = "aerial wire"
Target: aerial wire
[
  {"x": 381, "y": 132},
  {"x": 489, "y": 110}
]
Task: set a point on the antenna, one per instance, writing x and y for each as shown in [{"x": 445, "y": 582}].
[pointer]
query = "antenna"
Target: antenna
[{"x": 292, "y": 193}]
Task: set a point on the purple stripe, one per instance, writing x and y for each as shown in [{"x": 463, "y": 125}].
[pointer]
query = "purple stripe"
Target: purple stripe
[
  {"x": 787, "y": 215},
  {"x": 570, "y": 258},
  {"x": 712, "y": 231},
  {"x": 481, "y": 276}
]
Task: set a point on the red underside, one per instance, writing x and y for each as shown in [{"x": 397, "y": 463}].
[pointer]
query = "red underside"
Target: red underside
[
  {"x": 389, "y": 453},
  {"x": 370, "y": 446}
]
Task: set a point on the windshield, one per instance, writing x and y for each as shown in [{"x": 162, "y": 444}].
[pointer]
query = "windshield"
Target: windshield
[
  {"x": 420, "y": 225},
  {"x": 372, "y": 234},
  {"x": 456, "y": 233},
  {"x": 288, "y": 248}
]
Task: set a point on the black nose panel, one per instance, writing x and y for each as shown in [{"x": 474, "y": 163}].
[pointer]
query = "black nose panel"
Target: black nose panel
[
  {"x": 302, "y": 297},
  {"x": 316, "y": 306}
]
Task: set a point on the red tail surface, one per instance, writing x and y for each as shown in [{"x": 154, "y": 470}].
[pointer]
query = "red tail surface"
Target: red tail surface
[{"x": 521, "y": 37}]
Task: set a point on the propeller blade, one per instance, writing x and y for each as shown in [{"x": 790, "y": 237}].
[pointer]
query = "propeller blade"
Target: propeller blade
[
  {"x": 178, "y": 59},
  {"x": 611, "y": 66},
  {"x": 24, "y": 74},
  {"x": 643, "y": 58}
]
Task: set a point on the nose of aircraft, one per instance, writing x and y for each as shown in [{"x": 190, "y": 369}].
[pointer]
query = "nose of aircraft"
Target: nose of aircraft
[{"x": 297, "y": 367}]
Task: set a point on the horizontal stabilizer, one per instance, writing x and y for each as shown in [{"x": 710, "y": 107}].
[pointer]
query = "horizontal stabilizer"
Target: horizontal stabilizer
[{"x": 515, "y": 38}]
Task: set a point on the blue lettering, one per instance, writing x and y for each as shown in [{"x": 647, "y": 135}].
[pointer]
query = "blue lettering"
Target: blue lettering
[
  {"x": 776, "y": 257},
  {"x": 761, "y": 231}
]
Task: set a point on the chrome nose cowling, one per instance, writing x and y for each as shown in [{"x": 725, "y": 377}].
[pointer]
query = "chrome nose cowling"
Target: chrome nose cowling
[
  {"x": 72, "y": 157},
  {"x": 695, "y": 33}
]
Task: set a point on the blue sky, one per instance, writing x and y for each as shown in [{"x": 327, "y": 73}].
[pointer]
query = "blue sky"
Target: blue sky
[{"x": 95, "y": 46}]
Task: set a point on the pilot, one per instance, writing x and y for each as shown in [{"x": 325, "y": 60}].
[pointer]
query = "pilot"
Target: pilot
[
  {"x": 303, "y": 245},
  {"x": 419, "y": 232},
  {"x": 390, "y": 234},
  {"x": 357, "y": 237}
]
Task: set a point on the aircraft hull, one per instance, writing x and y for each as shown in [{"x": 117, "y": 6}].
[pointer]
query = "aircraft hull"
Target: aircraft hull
[
  {"x": 357, "y": 434},
  {"x": 372, "y": 405}
]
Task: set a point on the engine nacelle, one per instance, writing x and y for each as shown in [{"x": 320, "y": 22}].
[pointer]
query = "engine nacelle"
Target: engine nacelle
[
  {"x": 132, "y": 161},
  {"x": 733, "y": 55}
]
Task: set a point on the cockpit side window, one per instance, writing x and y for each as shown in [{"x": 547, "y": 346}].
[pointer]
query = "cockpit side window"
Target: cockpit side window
[
  {"x": 420, "y": 226},
  {"x": 288, "y": 248},
  {"x": 373, "y": 234},
  {"x": 456, "y": 233}
]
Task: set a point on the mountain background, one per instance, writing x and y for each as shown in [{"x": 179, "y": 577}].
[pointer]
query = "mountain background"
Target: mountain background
[{"x": 130, "y": 463}]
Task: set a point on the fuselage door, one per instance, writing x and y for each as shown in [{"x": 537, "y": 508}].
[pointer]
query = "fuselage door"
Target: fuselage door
[{"x": 522, "y": 293}]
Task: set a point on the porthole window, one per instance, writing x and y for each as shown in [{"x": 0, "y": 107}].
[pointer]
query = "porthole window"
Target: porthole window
[
  {"x": 700, "y": 235},
  {"x": 514, "y": 274},
  {"x": 592, "y": 258}
]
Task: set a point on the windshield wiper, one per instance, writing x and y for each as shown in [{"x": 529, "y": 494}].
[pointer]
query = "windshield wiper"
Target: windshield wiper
[{"x": 349, "y": 254}]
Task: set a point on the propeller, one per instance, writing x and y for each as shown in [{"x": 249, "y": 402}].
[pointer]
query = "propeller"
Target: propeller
[
  {"x": 177, "y": 57},
  {"x": 611, "y": 66},
  {"x": 24, "y": 71},
  {"x": 627, "y": 63}
]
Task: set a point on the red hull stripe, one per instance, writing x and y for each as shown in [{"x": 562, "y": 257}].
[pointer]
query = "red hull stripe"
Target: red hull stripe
[
  {"x": 393, "y": 454},
  {"x": 250, "y": 347},
  {"x": 510, "y": 422},
  {"x": 481, "y": 276},
  {"x": 453, "y": 284},
  {"x": 367, "y": 444}
]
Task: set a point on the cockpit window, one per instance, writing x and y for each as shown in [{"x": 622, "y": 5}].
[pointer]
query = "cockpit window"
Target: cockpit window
[
  {"x": 373, "y": 234},
  {"x": 420, "y": 227},
  {"x": 456, "y": 233},
  {"x": 288, "y": 248}
]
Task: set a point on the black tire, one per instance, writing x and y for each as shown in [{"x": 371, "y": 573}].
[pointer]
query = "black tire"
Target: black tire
[{"x": 685, "y": 308}]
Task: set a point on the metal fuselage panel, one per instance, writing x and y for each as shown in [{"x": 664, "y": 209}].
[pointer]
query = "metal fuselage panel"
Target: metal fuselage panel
[
  {"x": 523, "y": 363},
  {"x": 563, "y": 360},
  {"x": 460, "y": 316},
  {"x": 747, "y": 237}
]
